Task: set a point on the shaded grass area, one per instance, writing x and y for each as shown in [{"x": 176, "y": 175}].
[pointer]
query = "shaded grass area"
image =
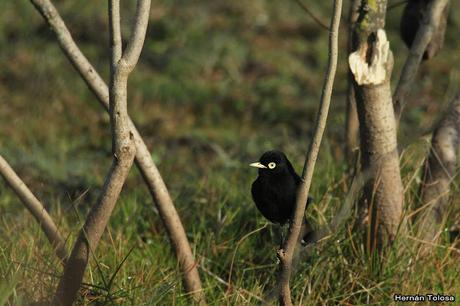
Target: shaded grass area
[{"x": 218, "y": 84}]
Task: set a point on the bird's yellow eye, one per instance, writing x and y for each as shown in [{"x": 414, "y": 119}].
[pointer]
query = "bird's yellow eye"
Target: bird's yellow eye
[{"x": 271, "y": 165}]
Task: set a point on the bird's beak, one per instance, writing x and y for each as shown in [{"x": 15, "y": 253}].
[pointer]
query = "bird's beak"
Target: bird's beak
[{"x": 258, "y": 165}]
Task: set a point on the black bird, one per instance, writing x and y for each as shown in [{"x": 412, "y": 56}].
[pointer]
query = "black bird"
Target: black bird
[{"x": 275, "y": 190}]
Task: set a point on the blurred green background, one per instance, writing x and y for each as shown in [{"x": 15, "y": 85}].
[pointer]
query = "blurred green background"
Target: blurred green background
[{"x": 218, "y": 83}]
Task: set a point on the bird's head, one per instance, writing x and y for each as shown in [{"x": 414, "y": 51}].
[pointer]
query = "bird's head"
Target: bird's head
[{"x": 272, "y": 163}]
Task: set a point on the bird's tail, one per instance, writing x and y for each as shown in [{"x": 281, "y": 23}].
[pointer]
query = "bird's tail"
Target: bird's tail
[{"x": 307, "y": 231}]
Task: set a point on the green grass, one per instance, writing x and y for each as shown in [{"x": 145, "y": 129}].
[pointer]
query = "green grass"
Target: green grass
[{"x": 218, "y": 84}]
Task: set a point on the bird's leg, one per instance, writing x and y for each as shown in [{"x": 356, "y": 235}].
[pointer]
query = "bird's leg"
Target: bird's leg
[
  {"x": 283, "y": 229},
  {"x": 282, "y": 236},
  {"x": 280, "y": 229}
]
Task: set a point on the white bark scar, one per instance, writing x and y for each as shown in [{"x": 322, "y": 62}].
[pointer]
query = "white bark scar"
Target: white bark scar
[{"x": 375, "y": 73}]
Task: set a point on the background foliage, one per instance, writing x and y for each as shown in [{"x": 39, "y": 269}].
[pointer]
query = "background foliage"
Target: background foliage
[{"x": 218, "y": 83}]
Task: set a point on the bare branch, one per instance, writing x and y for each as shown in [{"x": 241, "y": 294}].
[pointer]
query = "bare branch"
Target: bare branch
[
  {"x": 342, "y": 215},
  {"x": 144, "y": 162},
  {"x": 36, "y": 208},
  {"x": 428, "y": 27},
  {"x": 134, "y": 48},
  {"x": 115, "y": 32},
  {"x": 439, "y": 172},
  {"x": 71, "y": 50},
  {"x": 123, "y": 157},
  {"x": 286, "y": 253},
  {"x": 310, "y": 13}
]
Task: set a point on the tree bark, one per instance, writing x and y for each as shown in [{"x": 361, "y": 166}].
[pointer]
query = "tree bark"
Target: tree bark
[
  {"x": 36, "y": 208},
  {"x": 123, "y": 149},
  {"x": 429, "y": 38},
  {"x": 439, "y": 171},
  {"x": 371, "y": 65},
  {"x": 285, "y": 254},
  {"x": 144, "y": 162}
]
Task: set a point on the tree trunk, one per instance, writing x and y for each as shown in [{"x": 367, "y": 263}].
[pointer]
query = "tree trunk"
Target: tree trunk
[
  {"x": 439, "y": 171},
  {"x": 371, "y": 65}
]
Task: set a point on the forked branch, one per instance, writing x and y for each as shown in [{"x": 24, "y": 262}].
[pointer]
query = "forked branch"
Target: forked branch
[
  {"x": 144, "y": 162},
  {"x": 123, "y": 150},
  {"x": 439, "y": 171}
]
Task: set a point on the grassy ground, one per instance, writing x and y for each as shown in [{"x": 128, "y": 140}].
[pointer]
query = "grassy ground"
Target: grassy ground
[{"x": 218, "y": 84}]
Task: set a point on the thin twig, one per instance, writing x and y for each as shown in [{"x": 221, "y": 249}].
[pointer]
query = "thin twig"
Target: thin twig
[
  {"x": 286, "y": 253},
  {"x": 439, "y": 172},
  {"x": 342, "y": 215},
  {"x": 115, "y": 33},
  {"x": 136, "y": 41},
  {"x": 36, "y": 208},
  {"x": 434, "y": 244},
  {"x": 236, "y": 249},
  {"x": 310, "y": 13}
]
